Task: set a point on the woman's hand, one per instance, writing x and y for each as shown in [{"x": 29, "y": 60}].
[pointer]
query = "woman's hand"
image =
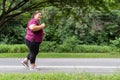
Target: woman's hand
[{"x": 43, "y": 25}]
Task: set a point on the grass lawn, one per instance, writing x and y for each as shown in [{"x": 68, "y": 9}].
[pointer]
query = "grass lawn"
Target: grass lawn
[
  {"x": 57, "y": 76},
  {"x": 63, "y": 55}
]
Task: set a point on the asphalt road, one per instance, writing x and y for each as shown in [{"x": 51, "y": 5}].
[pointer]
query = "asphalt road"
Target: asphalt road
[{"x": 68, "y": 65}]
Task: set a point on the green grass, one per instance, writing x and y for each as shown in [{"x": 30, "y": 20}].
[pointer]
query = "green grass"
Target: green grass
[
  {"x": 63, "y": 55},
  {"x": 58, "y": 76}
]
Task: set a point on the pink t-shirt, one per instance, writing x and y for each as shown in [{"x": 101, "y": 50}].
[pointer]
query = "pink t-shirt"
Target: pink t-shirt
[{"x": 34, "y": 36}]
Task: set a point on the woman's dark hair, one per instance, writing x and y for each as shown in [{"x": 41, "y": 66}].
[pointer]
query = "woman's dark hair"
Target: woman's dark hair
[{"x": 38, "y": 11}]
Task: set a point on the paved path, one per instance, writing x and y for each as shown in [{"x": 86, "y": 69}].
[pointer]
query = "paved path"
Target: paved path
[{"x": 74, "y": 65}]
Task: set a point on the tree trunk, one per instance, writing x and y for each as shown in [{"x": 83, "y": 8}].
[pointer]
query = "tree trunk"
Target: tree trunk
[{"x": 2, "y": 21}]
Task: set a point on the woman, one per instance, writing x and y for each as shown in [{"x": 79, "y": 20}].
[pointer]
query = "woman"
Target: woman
[{"x": 33, "y": 39}]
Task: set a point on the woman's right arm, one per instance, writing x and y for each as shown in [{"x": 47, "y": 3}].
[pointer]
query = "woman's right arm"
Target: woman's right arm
[{"x": 34, "y": 27}]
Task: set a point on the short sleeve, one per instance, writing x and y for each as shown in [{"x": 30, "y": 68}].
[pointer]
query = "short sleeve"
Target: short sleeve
[{"x": 33, "y": 22}]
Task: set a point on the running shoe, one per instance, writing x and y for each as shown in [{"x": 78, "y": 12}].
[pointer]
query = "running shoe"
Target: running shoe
[{"x": 25, "y": 64}]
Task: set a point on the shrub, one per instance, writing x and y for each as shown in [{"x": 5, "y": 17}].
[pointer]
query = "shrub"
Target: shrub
[
  {"x": 48, "y": 46},
  {"x": 93, "y": 48},
  {"x": 115, "y": 43},
  {"x": 4, "y": 48},
  {"x": 68, "y": 45},
  {"x": 53, "y": 47}
]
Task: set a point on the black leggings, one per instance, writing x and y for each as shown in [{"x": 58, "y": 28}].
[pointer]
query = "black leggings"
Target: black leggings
[{"x": 33, "y": 50}]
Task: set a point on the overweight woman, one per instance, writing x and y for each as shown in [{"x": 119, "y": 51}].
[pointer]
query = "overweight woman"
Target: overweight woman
[{"x": 33, "y": 38}]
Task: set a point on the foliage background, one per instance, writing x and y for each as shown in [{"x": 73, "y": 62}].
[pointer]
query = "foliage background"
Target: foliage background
[{"x": 70, "y": 25}]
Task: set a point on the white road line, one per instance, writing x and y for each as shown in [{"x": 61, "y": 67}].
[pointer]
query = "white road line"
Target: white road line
[{"x": 91, "y": 67}]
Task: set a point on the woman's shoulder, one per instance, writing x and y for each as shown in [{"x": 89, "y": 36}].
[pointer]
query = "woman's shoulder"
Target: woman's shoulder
[{"x": 33, "y": 21}]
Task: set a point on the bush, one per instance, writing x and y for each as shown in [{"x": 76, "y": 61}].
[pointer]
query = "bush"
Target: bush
[
  {"x": 53, "y": 47},
  {"x": 48, "y": 46},
  {"x": 68, "y": 45},
  {"x": 86, "y": 49},
  {"x": 93, "y": 49},
  {"x": 115, "y": 43},
  {"x": 4, "y": 48},
  {"x": 12, "y": 33}
]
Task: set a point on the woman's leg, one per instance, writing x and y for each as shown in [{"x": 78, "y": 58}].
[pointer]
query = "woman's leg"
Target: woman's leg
[
  {"x": 25, "y": 61},
  {"x": 33, "y": 51}
]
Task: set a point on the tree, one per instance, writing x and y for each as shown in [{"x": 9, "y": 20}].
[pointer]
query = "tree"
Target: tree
[{"x": 12, "y": 8}]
